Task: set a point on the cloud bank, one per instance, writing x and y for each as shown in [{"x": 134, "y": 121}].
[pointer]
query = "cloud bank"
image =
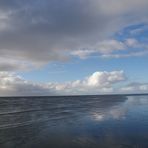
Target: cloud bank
[{"x": 98, "y": 83}]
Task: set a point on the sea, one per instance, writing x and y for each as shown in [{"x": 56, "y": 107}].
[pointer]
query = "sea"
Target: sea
[{"x": 103, "y": 121}]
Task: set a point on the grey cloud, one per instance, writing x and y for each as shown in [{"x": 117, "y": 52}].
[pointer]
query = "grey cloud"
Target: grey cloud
[{"x": 39, "y": 31}]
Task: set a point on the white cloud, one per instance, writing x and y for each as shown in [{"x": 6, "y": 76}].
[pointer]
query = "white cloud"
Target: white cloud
[
  {"x": 114, "y": 49},
  {"x": 98, "y": 82},
  {"x": 135, "y": 88},
  {"x": 103, "y": 47},
  {"x": 13, "y": 85},
  {"x": 126, "y": 55},
  {"x": 109, "y": 46},
  {"x": 105, "y": 79},
  {"x": 83, "y": 54},
  {"x": 138, "y": 31},
  {"x": 131, "y": 42}
]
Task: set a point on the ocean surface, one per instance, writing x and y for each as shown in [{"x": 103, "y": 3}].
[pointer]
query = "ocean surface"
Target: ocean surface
[{"x": 111, "y": 121}]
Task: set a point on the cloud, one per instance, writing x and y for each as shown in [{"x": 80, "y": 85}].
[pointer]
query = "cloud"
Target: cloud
[
  {"x": 83, "y": 53},
  {"x": 135, "y": 87},
  {"x": 99, "y": 82},
  {"x": 103, "y": 47},
  {"x": 131, "y": 42},
  {"x": 42, "y": 31},
  {"x": 127, "y": 55},
  {"x": 138, "y": 31},
  {"x": 14, "y": 65},
  {"x": 129, "y": 47},
  {"x": 13, "y": 85},
  {"x": 105, "y": 79}
]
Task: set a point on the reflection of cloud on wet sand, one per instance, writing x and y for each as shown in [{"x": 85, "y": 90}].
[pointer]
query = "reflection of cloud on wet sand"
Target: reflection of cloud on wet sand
[
  {"x": 122, "y": 125},
  {"x": 120, "y": 111},
  {"x": 114, "y": 113},
  {"x": 138, "y": 100}
]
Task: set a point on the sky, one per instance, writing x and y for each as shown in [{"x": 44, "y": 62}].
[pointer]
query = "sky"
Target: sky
[{"x": 73, "y": 47}]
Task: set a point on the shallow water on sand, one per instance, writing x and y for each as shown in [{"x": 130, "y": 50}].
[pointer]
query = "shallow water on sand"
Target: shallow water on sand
[{"x": 112, "y": 121}]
